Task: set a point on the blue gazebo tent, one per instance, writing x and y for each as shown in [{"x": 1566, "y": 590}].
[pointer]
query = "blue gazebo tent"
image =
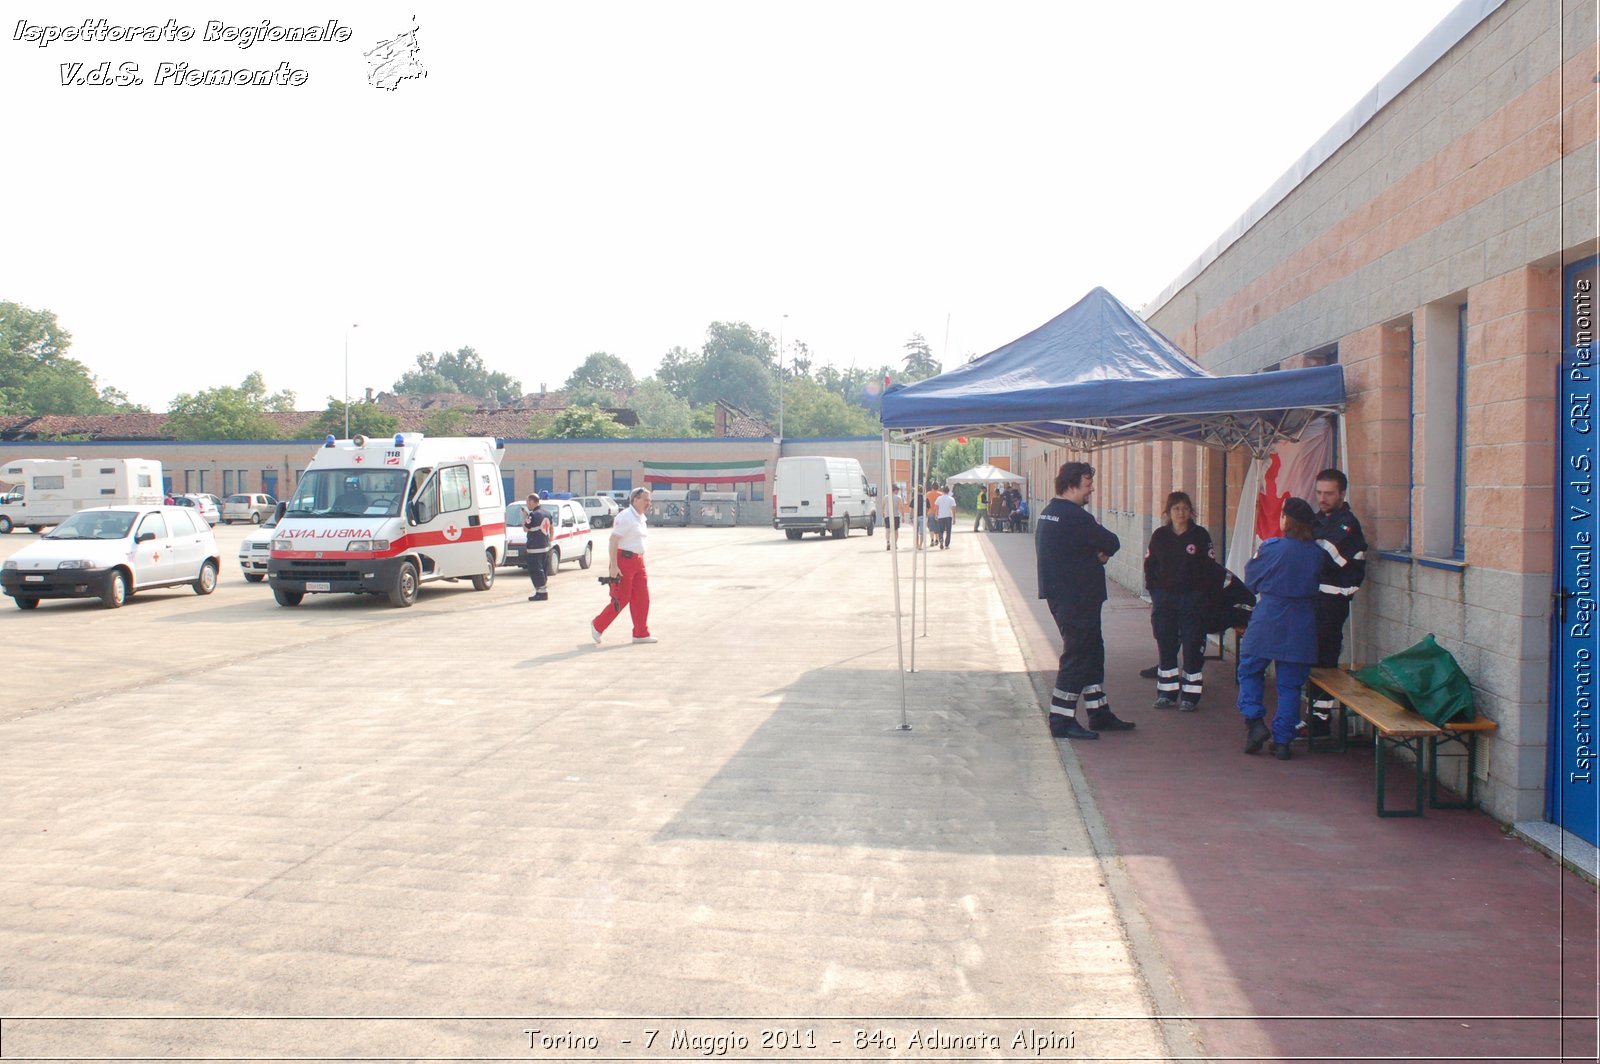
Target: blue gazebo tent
[{"x": 1096, "y": 376}]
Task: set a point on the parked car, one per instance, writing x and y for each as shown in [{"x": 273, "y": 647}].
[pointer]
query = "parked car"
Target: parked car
[
  {"x": 111, "y": 552},
  {"x": 618, "y": 496},
  {"x": 254, "y": 508},
  {"x": 210, "y": 510},
  {"x": 570, "y": 531},
  {"x": 602, "y": 510},
  {"x": 256, "y": 550}
]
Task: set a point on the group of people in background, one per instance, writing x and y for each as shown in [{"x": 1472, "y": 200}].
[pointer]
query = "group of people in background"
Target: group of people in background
[
  {"x": 936, "y": 515},
  {"x": 1301, "y": 582}
]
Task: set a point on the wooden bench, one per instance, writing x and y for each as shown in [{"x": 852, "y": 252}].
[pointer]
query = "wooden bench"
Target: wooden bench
[{"x": 1396, "y": 727}]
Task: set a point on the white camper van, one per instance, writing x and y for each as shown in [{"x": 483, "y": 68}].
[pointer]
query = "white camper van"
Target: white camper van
[
  {"x": 47, "y": 491},
  {"x": 384, "y": 516},
  {"x": 811, "y": 493}
]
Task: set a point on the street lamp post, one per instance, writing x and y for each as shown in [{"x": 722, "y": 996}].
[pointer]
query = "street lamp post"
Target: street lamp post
[
  {"x": 347, "y": 380},
  {"x": 781, "y": 325}
]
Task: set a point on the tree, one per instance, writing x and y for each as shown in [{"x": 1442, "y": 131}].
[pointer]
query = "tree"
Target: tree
[
  {"x": 589, "y": 395},
  {"x": 952, "y": 458},
  {"x": 586, "y": 423},
  {"x": 736, "y": 364},
  {"x": 229, "y": 413},
  {"x": 366, "y": 419},
  {"x": 660, "y": 412},
  {"x": 36, "y": 376},
  {"x": 678, "y": 370},
  {"x": 919, "y": 361},
  {"x": 448, "y": 421},
  {"x": 462, "y": 371},
  {"x": 601, "y": 371},
  {"x": 809, "y": 409}
]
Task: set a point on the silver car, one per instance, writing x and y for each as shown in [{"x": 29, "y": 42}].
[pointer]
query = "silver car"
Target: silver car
[{"x": 254, "y": 508}]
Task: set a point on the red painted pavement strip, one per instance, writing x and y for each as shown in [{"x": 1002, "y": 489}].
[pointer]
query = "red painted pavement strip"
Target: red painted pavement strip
[{"x": 1274, "y": 890}]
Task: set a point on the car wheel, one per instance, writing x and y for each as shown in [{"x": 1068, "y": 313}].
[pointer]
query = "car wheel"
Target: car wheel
[
  {"x": 254, "y": 578},
  {"x": 116, "y": 590},
  {"x": 35, "y": 529},
  {"x": 872, "y": 524},
  {"x": 287, "y": 598},
  {"x": 27, "y": 602},
  {"x": 486, "y": 581},
  {"x": 5, "y": 525},
  {"x": 404, "y": 591},
  {"x": 206, "y": 582},
  {"x": 840, "y": 533},
  {"x": 553, "y": 566},
  {"x": 792, "y": 533},
  {"x": 588, "y": 557},
  {"x": 255, "y": 519}
]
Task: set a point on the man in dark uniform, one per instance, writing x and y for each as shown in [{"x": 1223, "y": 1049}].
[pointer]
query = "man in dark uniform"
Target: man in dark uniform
[
  {"x": 1338, "y": 533},
  {"x": 537, "y": 525},
  {"x": 1072, "y": 549}
]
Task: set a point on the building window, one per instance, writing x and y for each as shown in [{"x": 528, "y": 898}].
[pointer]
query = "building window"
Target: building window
[
  {"x": 544, "y": 482},
  {"x": 1458, "y": 545},
  {"x": 227, "y": 482},
  {"x": 1443, "y": 429},
  {"x": 622, "y": 480}
]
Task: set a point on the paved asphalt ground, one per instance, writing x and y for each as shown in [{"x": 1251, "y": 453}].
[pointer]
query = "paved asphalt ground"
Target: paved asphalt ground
[{"x": 237, "y": 831}]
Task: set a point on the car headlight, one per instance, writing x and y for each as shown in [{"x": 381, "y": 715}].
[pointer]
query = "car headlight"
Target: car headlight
[
  {"x": 75, "y": 563},
  {"x": 369, "y": 545},
  {"x": 9, "y": 564},
  {"x": 283, "y": 543}
]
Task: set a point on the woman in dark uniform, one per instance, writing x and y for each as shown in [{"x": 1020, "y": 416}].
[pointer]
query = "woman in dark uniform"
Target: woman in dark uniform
[{"x": 1175, "y": 571}]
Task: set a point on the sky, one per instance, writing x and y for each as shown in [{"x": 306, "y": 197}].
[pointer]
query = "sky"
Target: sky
[{"x": 571, "y": 178}]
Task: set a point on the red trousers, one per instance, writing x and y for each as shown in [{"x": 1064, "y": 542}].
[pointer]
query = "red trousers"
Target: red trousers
[{"x": 632, "y": 591}]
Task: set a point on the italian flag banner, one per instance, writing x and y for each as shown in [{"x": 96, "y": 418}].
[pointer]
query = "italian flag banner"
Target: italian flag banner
[{"x": 661, "y": 473}]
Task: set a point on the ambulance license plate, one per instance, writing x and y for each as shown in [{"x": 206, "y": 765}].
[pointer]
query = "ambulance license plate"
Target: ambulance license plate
[
  {"x": 318, "y": 585},
  {"x": 788, "y": 509}
]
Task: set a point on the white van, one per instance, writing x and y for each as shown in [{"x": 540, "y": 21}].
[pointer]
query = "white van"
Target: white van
[
  {"x": 383, "y": 517},
  {"x": 47, "y": 491},
  {"x": 811, "y": 493}
]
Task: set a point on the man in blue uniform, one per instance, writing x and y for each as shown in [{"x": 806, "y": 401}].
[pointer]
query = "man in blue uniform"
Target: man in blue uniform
[
  {"x": 1072, "y": 549},
  {"x": 1344, "y": 567}
]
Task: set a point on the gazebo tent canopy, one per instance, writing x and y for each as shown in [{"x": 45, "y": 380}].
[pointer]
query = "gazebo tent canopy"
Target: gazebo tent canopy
[
  {"x": 1096, "y": 375},
  {"x": 984, "y": 474}
]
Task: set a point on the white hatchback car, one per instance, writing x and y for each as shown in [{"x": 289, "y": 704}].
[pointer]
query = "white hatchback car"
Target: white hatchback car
[
  {"x": 206, "y": 505},
  {"x": 113, "y": 551},
  {"x": 602, "y": 510},
  {"x": 255, "y": 550},
  {"x": 569, "y": 528}
]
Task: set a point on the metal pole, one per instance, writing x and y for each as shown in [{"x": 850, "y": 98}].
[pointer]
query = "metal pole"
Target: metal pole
[
  {"x": 894, "y": 579},
  {"x": 927, "y": 544},
  {"x": 781, "y": 324},
  {"x": 916, "y": 554},
  {"x": 347, "y": 380}
]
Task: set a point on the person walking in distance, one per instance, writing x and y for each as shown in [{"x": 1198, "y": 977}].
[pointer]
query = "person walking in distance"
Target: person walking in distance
[
  {"x": 536, "y": 523},
  {"x": 945, "y": 505},
  {"x": 1175, "y": 572},
  {"x": 1344, "y": 567},
  {"x": 627, "y": 581},
  {"x": 983, "y": 507},
  {"x": 1073, "y": 549},
  {"x": 1283, "y": 629}
]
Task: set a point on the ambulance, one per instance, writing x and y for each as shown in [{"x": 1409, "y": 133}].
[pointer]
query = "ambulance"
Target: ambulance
[{"x": 385, "y": 516}]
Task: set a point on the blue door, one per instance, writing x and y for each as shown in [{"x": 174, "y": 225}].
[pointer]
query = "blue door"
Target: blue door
[
  {"x": 1573, "y": 796},
  {"x": 269, "y": 482},
  {"x": 508, "y": 486}
]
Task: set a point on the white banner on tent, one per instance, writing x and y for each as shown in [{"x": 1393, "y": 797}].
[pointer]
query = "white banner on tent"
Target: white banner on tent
[{"x": 1291, "y": 470}]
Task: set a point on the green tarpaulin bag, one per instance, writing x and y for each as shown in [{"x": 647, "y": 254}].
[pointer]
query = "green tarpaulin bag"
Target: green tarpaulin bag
[{"x": 1425, "y": 679}]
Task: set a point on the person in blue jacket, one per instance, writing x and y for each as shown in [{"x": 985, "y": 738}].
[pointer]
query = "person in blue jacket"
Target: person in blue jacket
[{"x": 1283, "y": 629}]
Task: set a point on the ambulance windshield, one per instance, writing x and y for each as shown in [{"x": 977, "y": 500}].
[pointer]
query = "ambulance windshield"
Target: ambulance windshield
[{"x": 348, "y": 493}]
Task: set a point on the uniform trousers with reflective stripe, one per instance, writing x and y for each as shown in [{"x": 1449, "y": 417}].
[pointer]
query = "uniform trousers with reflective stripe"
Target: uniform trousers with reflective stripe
[
  {"x": 631, "y": 590},
  {"x": 1331, "y": 611},
  {"x": 1083, "y": 659},
  {"x": 1175, "y": 618}
]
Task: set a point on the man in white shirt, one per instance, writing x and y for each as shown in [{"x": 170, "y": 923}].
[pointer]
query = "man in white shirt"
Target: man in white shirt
[
  {"x": 945, "y": 510},
  {"x": 629, "y": 584}
]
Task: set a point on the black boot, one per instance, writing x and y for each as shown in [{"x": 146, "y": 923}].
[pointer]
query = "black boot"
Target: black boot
[
  {"x": 1280, "y": 751},
  {"x": 1105, "y": 720},
  {"x": 1256, "y": 735},
  {"x": 1064, "y": 727}
]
